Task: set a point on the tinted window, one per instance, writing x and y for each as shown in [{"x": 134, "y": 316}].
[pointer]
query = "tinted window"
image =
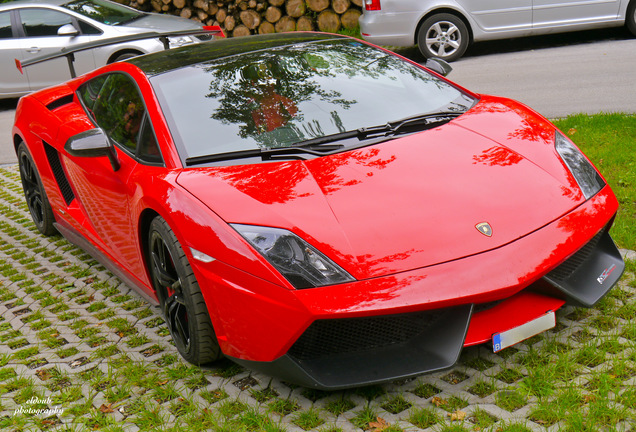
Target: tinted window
[
  {"x": 148, "y": 150},
  {"x": 104, "y": 12},
  {"x": 117, "y": 109},
  {"x": 114, "y": 103},
  {"x": 43, "y": 22},
  {"x": 281, "y": 97},
  {"x": 5, "y": 25},
  {"x": 88, "y": 29},
  {"x": 89, "y": 92}
]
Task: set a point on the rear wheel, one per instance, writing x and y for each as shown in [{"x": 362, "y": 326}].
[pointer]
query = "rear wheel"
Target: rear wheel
[
  {"x": 181, "y": 301},
  {"x": 125, "y": 56},
  {"x": 36, "y": 199},
  {"x": 443, "y": 35},
  {"x": 630, "y": 19}
]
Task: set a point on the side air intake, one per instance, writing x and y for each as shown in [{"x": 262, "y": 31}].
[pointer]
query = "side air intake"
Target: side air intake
[{"x": 59, "y": 174}]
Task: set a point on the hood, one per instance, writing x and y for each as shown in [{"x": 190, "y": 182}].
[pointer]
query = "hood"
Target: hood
[{"x": 402, "y": 204}]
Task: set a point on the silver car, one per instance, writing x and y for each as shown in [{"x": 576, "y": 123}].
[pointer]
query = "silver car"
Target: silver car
[
  {"x": 30, "y": 28},
  {"x": 445, "y": 28}
]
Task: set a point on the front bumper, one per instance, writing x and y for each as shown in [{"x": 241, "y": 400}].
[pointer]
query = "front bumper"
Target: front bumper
[
  {"x": 338, "y": 337},
  {"x": 343, "y": 353}
]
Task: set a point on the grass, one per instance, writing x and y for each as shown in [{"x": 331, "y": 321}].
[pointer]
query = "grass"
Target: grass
[
  {"x": 608, "y": 140},
  {"x": 70, "y": 331}
]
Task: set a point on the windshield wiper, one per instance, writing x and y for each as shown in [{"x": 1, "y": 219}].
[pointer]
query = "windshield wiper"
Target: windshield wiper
[
  {"x": 265, "y": 154},
  {"x": 317, "y": 146},
  {"x": 408, "y": 124}
]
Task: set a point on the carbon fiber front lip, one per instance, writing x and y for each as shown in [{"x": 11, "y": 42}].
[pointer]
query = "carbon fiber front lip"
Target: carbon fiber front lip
[
  {"x": 589, "y": 274},
  {"x": 435, "y": 348}
]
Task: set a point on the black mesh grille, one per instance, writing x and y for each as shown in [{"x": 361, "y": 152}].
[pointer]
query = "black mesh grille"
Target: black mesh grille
[
  {"x": 58, "y": 173},
  {"x": 327, "y": 337},
  {"x": 565, "y": 270}
]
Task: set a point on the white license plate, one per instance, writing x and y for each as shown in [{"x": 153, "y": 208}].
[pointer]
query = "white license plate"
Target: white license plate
[{"x": 513, "y": 336}]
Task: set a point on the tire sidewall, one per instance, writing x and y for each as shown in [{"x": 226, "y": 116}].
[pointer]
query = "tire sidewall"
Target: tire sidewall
[
  {"x": 46, "y": 226},
  {"x": 190, "y": 290},
  {"x": 630, "y": 18},
  {"x": 429, "y": 22}
]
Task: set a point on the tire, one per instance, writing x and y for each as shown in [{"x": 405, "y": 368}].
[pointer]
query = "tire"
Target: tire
[
  {"x": 124, "y": 56},
  {"x": 180, "y": 298},
  {"x": 630, "y": 18},
  {"x": 444, "y": 36},
  {"x": 36, "y": 199}
]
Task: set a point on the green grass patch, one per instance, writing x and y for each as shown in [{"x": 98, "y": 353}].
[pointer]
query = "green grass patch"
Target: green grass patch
[{"x": 608, "y": 140}]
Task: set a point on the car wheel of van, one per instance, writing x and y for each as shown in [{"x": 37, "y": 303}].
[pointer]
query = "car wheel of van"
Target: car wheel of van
[
  {"x": 444, "y": 36},
  {"x": 630, "y": 19},
  {"x": 37, "y": 202},
  {"x": 180, "y": 298}
]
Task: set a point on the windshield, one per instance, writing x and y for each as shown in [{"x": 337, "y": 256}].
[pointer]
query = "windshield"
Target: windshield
[
  {"x": 281, "y": 97},
  {"x": 105, "y": 12}
]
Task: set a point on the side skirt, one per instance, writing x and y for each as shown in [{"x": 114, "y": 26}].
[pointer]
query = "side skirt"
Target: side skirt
[{"x": 74, "y": 237}]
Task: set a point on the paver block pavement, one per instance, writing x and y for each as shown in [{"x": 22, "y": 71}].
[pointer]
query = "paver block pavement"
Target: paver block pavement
[{"x": 98, "y": 357}]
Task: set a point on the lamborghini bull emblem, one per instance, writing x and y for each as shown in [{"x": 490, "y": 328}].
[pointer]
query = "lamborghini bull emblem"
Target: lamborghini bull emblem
[{"x": 484, "y": 228}]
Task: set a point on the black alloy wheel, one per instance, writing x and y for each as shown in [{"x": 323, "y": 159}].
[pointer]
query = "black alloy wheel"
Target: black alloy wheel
[
  {"x": 181, "y": 301},
  {"x": 36, "y": 199}
]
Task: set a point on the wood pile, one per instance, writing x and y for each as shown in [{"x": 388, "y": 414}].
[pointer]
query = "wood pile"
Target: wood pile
[{"x": 246, "y": 17}]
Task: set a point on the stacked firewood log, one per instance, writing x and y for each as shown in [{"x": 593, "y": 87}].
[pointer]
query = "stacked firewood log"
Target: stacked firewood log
[{"x": 245, "y": 17}]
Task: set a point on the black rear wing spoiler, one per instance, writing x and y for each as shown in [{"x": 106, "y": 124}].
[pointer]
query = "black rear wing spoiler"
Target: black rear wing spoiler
[{"x": 162, "y": 36}]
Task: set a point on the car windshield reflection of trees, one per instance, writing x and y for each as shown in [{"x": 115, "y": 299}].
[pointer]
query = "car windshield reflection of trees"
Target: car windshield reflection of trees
[
  {"x": 262, "y": 92},
  {"x": 276, "y": 98}
]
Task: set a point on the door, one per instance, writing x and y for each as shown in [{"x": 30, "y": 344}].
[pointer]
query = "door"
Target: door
[
  {"x": 12, "y": 82},
  {"x": 38, "y": 31},
  {"x": 500, "y": 15},
  {"x": 116, "y": 106},
  {"x": 560, "y": 13}
]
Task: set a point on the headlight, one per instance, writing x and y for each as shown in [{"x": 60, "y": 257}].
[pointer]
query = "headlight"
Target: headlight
[
  {"x": 588, "y": 179},
  {"x": 301, "y": 264},
  {"x": 180, "y": 41}
]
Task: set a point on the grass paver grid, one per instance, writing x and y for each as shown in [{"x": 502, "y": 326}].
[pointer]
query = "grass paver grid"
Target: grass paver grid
[{"x": 82, "y": 343}]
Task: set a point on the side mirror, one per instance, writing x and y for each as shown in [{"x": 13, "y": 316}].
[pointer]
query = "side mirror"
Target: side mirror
[
  {"x": 67, "y": 30},
  {"x": 438, "y": 65},
  {"x": 92, "y": 143}
]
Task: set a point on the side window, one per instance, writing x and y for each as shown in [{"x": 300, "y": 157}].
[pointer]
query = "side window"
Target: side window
[
  {"x": 89, "y": 92},
  {"x": 148, "y": 150},
  {"x": 43, "y": 22},
  {"x": 116, "y": 106},
  {"x": 119, "y": 110},
  {"x": 5, "y": 25},
  {"x": 88, "y": 29}
]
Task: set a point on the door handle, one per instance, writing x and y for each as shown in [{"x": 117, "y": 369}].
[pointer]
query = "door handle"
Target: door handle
[{"x": 33, "y": 50}]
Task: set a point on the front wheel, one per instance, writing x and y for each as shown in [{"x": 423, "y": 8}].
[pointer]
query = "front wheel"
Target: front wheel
[
  {"x": 444, "y": 36},
  {"x": 630, "y": 19},
  {"x": 180, "y": 298},
  {"x": 36, "y": 199}
]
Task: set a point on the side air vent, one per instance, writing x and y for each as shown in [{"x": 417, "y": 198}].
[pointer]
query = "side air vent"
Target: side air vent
[
  {"x": 58, "y": 173},
  {"x": 64, "y": 100}
]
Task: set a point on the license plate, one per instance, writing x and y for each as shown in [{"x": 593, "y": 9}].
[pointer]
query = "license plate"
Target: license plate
[{"x": 513, "y": 336}]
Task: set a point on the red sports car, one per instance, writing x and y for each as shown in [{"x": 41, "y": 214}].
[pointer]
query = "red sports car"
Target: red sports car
[{"x": 317, "y": 208}]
